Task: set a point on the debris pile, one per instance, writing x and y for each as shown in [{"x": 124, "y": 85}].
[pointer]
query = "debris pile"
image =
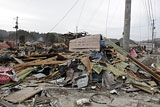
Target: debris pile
[{"x": 26, "y": 76}]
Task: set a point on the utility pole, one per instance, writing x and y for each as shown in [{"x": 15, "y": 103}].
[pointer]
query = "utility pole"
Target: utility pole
[
  {"x": 76, "y": 29},
  {"x": 127, "y": 20},
  {"x": 153, "y": 28},
  {"x": 16, "y": 27}
]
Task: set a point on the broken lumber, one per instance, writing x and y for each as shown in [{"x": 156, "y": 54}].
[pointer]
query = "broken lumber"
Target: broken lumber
[
  {"x": 21, "y": 65},
  {"x": 24, "y": 71},
  {"x": 22, "y": 95},
  {"x": 38, "y": 62},
  {"x": 123, "y": 52},
  {"x": 87, "y": 63},
  {"x": 18, "y": 60}
]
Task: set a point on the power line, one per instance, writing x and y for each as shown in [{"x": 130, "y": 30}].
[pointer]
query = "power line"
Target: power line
[
  {"x": 140, "y": 22},
  {"x": 151, "y": 6},
  {"x": 148, "y": 19},
  {"x": 119, "y": 2},
  {"x": 155, "y": 8},
  {"x": 94, "y": 13},
  {"x": 148, "y": 10},
  {"x": 64, "y": 15},
  {"x": 84, "y": 2},
  {"x": 148, "y": 15}
]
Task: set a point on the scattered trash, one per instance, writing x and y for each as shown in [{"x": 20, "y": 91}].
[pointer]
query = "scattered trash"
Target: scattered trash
[
  {"x": 39, "y": 75},
  {"x": 82, "y": 101},
  {"x": 22, "y": 95},
  {"x": 94, "y": 65},
  {"x": 156, "y": 100},
  {"x": 7, "y": 75},
  {"x": 133, "y": 53},
  {"x": 81, "y": 81},
  {"x": 114, "y": 92}
]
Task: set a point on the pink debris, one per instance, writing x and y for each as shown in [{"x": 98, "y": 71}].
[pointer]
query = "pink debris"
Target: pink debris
[{"x": 133, "y": 53}]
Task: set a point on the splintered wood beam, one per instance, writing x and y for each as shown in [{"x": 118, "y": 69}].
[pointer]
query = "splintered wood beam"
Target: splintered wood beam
[{"x": 38, "y": 61}]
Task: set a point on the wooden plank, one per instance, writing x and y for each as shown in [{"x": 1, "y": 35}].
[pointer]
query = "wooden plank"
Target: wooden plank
[
  {"x": 49, "y": 59},
  {"x": 33, "y": 58},
  {"x": 20, "y": 65},
  {"x": 51, "y": 75},
  {"x": 18, "y": 60},
  {"x": 84, "y": 50},
  {"x": 87, "y": 63},
  {"x": 87, "y": 43},
  {"x": 22, "y": 95},
  {"x": 6, "y": 104},
  {"x": 45, "y": 63},
  {"x": 36, "y": 62},
  {"x": 84, "y": 44},
  {"x": 24, "y": 71},
  {"x": 144, "y": 88}
]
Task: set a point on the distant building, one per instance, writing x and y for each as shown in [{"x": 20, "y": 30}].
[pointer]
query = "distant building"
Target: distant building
[
  {"x": 147, "y": 44},
  {"x": 132, "y": 43}
]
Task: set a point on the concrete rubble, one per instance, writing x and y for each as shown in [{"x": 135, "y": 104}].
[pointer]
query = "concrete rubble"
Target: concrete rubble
[{"x": 96, "y": 73}]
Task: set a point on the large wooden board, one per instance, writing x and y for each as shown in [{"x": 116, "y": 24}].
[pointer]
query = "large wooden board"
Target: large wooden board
[
  {"x": 88, "y": 43},
  {"x": 22, "y": 95}
]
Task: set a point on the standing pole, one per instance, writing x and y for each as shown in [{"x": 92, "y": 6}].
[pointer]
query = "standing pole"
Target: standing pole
[
  {"x": 16, "y": 27},
  {"x": 153, "y": 28},
  {"x": 16, "y": 37},
  {"x": 76, "y": 31},
  {"x": 127, "y": 20}
]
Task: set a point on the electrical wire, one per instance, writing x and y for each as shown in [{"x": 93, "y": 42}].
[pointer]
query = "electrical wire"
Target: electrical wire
[
  {"x": 149, "y": 9},
  {"x": 94, "y": 13},
  {"x": 140, "y": 23},
  {"x": 155, "y": 8},
  {"x": 148, "y": 19},
  {"x": 64, "y": 16},
  {"x": 84, "y": 2},
  {"x": 151, "y": 6},
  {"x": 119, "y": 2},
  {"x": 152, "y": 20}
]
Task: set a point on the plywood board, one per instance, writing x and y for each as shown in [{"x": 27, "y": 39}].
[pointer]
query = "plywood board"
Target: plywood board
[
  {"x": 87, "y": 43},
  {"x": 22, "y": 95}
]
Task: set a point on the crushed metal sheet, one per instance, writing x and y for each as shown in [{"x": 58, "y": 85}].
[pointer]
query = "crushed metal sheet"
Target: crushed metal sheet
[{"x": 115, "y": 71}]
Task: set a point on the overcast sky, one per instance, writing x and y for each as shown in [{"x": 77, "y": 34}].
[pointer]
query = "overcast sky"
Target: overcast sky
[{"x": 43, "y": 15}]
